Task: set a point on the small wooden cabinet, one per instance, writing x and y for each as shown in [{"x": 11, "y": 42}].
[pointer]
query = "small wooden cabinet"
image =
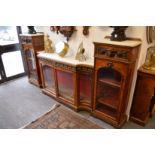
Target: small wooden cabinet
[
  {"x": 144, "y": 97},
  {"x": 67, "y": 83},
  {"x": 31, "y": 44},
  {"x": 114, "y": 66}
]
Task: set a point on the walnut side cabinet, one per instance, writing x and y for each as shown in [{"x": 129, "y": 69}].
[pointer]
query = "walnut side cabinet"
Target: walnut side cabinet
[
  {"x": 114, "y": 67},
  {"x": 144, "y": 97},
  {"x": 67, "y": 83},
  {"x": 31, "y": 44}
]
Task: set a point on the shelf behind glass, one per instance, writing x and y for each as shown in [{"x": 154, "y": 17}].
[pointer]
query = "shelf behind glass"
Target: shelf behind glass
[
  {"x": 108, "y": 95},
  {"x": 110, "y": 82},
  {"x": 109, "y": 75}
]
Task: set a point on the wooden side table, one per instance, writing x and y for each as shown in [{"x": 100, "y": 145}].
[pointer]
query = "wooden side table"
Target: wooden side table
[{"x": 144, "y": 97}]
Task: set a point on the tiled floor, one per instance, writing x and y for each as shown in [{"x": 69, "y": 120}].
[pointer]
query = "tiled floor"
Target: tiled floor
[{"x": 21, "y": 103}]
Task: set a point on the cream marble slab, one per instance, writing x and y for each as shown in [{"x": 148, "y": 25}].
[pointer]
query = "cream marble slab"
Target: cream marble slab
[
  {"x": 68, "y": 60},
  {"x": 29, "y": 35},
  {"x": 128, "y": 43}
]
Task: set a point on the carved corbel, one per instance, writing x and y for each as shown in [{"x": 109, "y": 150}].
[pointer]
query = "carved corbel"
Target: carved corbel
[{"x": 86, "y": 30}]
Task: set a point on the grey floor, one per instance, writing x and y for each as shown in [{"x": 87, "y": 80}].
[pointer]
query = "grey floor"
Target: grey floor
[{"x": 22, "y": 102}]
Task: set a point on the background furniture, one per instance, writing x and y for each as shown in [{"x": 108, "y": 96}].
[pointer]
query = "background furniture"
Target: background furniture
[
  {"x": 114, "y": 67},
  {"x": 102, "y": 89},
  {"x": 144, "y": 97},
  {"x": 31, "y": 44}
]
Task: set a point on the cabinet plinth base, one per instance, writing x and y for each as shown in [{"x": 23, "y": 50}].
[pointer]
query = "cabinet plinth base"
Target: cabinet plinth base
[
  {"x": 83, "y": 107},
  {"x": 34, "y": 82},
  {"x": 139, "y": 121},
  {"x": 106, "y": 118},
  {"x": 59, "y": 99}
]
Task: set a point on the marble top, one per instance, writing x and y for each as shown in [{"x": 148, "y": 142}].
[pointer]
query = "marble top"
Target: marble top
[
  {"x": 128, "y": 43},
  {"x": 29, "y": 35},
  {"x": 66, "y": 59}
]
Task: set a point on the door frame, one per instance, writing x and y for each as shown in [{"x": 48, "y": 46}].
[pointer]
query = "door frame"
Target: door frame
[{"x": 7, "y": 49}]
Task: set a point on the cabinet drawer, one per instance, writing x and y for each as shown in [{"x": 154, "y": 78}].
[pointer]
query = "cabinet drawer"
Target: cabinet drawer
[
  {"x": 121, "y": 67},
  {"x": 26, "y": 40},
  {"x": 112, "y": 51},
  {"x": 27, "y": 46}
]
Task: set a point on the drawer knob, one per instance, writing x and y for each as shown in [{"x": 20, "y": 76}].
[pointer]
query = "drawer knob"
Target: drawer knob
[{"x": 110, "y": 64}]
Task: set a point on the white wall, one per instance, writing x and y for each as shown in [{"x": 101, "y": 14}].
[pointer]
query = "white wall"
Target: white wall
[{"x": 97, "y": 34}]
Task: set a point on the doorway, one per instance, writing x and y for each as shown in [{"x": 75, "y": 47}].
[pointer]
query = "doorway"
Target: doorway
[{"x": 11, "y": 59}]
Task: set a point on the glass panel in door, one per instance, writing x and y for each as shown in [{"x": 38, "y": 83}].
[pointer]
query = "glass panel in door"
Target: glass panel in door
[
  {"x": 85, "y": 88},
  {"x": 13, "y": 64},
  {"x": 65, "y": 84},
  {"x": 48, "y": 74},
  {"x": 8, "y": 35},
  {"x": 108, "y": 90},
  {"x": 31, "y": 64}
]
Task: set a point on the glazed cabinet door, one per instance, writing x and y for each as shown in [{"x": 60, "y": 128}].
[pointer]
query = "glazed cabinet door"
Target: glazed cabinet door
[
  {"x": 110, "y": 80},
  {"x": 48, "y": 78},
  {"x": 66, "y": 88},
  {"x": 31, "y": 64},
  {"x": 31, "y": 44},
  {"x": 85, "y": 88},
  {"x": 85, "y": 85}
]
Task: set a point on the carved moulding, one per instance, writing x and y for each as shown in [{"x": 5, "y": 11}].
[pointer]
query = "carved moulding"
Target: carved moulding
[
  {"x": 65, "y": 67},
  {"x": 61, "y": 65},
  {"x": 47, "y": 61},
  {"x": 85, "y": 69},
  {"x": 55, "y": 29},
  {"x": 86, "y": 30}
]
